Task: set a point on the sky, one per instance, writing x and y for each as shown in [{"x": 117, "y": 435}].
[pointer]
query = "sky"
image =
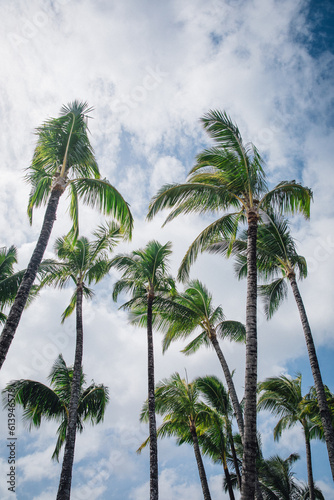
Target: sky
[{"x": 150, "y": 70}]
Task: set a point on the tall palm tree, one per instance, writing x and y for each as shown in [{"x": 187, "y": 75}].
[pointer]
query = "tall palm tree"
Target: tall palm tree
[
  {"x": 83, "y": 264},
  {"x": 283, "y": 397},
  {"x": 278, "y": 261},
  {"x": 145, "y": 276},
  {"x": 217, "y": 440},
  {"x": 63, "y": 159},
  {"x": 230, "y": 175},
  {"x": 52, "y": 403},
  {"x": 192, "y": 311},
  {"x": 178, "y": 402}
]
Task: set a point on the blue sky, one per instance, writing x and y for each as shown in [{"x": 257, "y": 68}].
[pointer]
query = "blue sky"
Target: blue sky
[{"x": 151, "y": 70}]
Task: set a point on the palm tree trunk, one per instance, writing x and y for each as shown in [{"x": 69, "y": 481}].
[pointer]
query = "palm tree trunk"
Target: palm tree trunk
[
  {"x": 319, "y": 386},
  {"x": 234, "y": 456},
  {"x": 309, "y": 467},
  {"x": 228, "y": 480},
  {"x": 64, "y": 489},
  {"x": 200, "y": 465},
  {"x": 230, "y": 384},
  {"x": 16, "y": 310},
  {"x": 154, "y": 474},
  {"x": 249, "y": 438}
]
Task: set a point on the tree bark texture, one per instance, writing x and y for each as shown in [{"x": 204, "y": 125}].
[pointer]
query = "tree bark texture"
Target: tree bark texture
[
  {"x": 309, "y": 467},
  {"x": 64, "y": 489},
  {"x": 200, "y": 465},
  {"x": 154, "y": 473},
  {"x": 16, "y": 310},
  {"x": 249, "y": 438},
  {"x": 318, "y": 383}
]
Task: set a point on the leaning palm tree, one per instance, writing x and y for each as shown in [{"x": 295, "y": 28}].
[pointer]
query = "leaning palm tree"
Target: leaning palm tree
[
  {"x": 63, "y": 159},
  {"x": 193, "y": 311},
  {"x": 217, "y": 440},
  {"x": 278, "y": 262},
  {"x": 178, "y": 402},
  {"x": 41, "y": 402},
  {"x": 231, "y": 175},
  {"x": 83, "y": 264},
  {"x": 278, "y": 259},
  {"x": 145, "y": 276},
  {"x": 283, "y": 397}
]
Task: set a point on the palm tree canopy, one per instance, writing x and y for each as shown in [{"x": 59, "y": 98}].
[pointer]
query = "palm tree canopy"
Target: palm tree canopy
[
  {"x": 277, "y": 258},
  {"x": 83, "y": 263},
  {"x": 228, "y": 175},
  {"x": 179, "y": 403},
  {"x": 145, "y": 273},
  {"x": 193, "y": 310},
  {"x": 311, "y": 407},
  {"x": 283, "y": 397},
  {"x": 52, "y": 403},
  {"x": 64, "y": 157}
]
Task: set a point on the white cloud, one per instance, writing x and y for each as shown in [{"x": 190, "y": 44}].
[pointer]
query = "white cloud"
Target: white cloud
[{"x": 151, "y": 70}]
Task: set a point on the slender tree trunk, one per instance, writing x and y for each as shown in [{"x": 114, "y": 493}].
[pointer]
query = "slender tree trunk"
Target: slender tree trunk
[
  {"x": 309, "y": 467},
  {"x": 200, "y": 465},
  {"x": 249, "y": 438},
  {"x": 64, "y": 489},
  {"x": 16, "y": 310},
  {"x": 319, "y": 386},
  {"x": 230, "y": 384},
  {"x": 154, "y": 473},
  {"x": 234, "y": 456},
  {"x": 228, "y": 480}
]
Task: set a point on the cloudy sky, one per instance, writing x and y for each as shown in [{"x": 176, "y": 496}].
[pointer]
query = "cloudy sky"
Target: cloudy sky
[{"x": 150, "y": 70}]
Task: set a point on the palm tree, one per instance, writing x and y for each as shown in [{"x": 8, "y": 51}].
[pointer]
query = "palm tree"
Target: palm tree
[
  {"x": 178, "y": 402},
  {"x": 230, "y": 175},
  {"x": 145, "y": 277},
  {"x": 278, "y": 257},
  {"x": 283, "y": 397},
  {"x": 278, "y": 481},
  {"x": 193, "y": 310},
  {"x": 217, "y": 440},
  {"x": 63, "y": 158},
  {"x": 52, "y": 403},
  {"x": 83, "y": 263},
  {"x": 311, "y": 406}
]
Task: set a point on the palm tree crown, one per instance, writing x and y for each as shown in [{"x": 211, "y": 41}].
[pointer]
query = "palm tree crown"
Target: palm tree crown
[
  {"x": 283, "y": 397},
  {"x": 193, "y": 311},
  {"x": 52, "y": 403},
  {"x": 84, "y": 263},
  {"x": 64, "y": 158},
  {"x": 228, "y": 175}
]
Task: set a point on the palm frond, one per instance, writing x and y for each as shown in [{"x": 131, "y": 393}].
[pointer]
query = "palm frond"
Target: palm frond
[
  {"x": 273, "y": 295},
  {"x": 101, "y": 194}
]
